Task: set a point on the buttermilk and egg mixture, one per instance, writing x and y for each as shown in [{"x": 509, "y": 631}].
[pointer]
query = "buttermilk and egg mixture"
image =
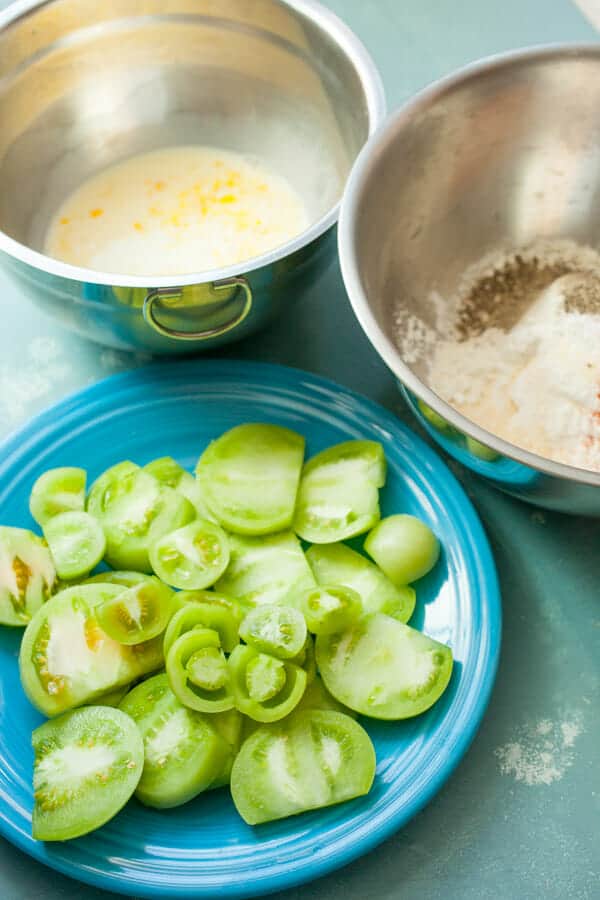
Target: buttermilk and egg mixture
[{"x": 176, "y": 211}]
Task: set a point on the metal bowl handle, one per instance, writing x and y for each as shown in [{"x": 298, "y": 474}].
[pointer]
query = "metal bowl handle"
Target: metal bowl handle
[{"x": 166, "y": 294}]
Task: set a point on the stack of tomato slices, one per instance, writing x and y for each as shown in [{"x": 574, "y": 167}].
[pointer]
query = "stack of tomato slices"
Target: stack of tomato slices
[{"x": 228, "y": 635}]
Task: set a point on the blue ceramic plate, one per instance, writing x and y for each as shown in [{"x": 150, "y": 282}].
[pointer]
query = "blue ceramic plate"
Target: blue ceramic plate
[{"x": 204, "y": 849}]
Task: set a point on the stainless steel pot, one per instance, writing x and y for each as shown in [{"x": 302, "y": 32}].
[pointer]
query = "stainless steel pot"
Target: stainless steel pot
[
  {"x": 84, "y": 84},
  {"x": 503, "y": 153}
]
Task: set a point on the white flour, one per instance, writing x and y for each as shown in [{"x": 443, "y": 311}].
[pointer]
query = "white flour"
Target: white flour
[
  {"x": 540, "y": 753},
  {"x": 537, "y": 385}
]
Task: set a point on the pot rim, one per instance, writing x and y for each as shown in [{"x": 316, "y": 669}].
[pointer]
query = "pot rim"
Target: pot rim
[
  {"x": 362, "y": 169},
  {"x": 372, "y": 86}
]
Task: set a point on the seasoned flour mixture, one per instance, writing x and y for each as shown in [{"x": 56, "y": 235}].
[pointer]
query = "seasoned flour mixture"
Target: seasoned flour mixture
[
  {"x": 176, "y": 211},
  {"x": 535, "y": 381}
]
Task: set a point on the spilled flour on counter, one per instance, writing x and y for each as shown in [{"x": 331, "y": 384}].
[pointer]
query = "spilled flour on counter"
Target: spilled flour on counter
[
  {"x": 22, "y": 387},
  {"x": 542, "y": 752}
]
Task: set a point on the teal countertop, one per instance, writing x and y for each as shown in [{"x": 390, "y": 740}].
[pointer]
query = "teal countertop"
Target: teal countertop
[{"x": 520, "y": 818}]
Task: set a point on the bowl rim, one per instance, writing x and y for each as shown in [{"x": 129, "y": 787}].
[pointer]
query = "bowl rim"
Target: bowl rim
[
  {"x": 376, "y": 106},
  {"x": 364, "y": 165}
]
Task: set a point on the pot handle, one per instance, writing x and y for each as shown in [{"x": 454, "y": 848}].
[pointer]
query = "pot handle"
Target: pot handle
[{"x": 174, "y": 294}]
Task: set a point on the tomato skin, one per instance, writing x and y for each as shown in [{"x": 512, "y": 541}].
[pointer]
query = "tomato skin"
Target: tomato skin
[
  {"x": 311, "y": 760},
  {"x": 66, "y": 659},
  {"x": 249, "y": 478},
  {"x": 338, "y": 496},
  {"x": 88, "y": 763},
  {"x": 404, "y": 547},
  {"x": 183, "y": 751},
  {"x": 275, "y": 707},
  {"x": 384, "y": 669}
]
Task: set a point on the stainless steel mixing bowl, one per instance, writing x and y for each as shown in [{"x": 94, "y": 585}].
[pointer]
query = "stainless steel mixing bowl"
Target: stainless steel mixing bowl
[
  {"x": 84, "y": 84},
  {"x": 501, "y": 154}
]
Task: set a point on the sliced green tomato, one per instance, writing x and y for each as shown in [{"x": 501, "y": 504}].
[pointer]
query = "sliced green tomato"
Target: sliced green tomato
[
  {"x": 198, "y": 672},
  {"x": 76, "y": 541},
  {"x": 270, "y": 570},
  {"x": 210, "y": 611},
  {"x": 57, "y": 491},
  {"x": 135, "y": 510},
  {"x": 192, "y": 557},
  {"x": 404, "y": 547},
  {"x": 183, "y": 751},
  {"x": 314, "y": 759},
  {"x": 339, "y": 492},
  {"x": 433, "y": 418},
  {"x": 230, "y": 726},
  {"x": 251, "y": 679},
  {"x": 481, "y": 451},
  {"x": 278, "y": 630},
  {"x": 27, "y": 575},
  {"x": 383, "y": 668},
  {"x": 171, "y": 474},
  {"x": 126, "y": 579},
  {"x": 137, "y": 614},
  {"x": 87, "y": 765},
  {"x": 330, "y": 608},
  {"x": 249, "y": 478},
  {"x": 306, "y": 659},
  {"x": 111, "y": 698},
  {"x": 66, "y": 659},
  {"x": 338, "y": 564},
  {"x": 316, "y": 696}
]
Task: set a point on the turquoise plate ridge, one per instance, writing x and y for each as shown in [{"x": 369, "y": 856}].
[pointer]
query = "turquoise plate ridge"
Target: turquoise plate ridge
[{"x": 204, "y": 849}]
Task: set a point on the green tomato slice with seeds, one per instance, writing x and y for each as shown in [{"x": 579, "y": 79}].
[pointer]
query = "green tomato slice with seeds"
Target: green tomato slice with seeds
[
  {"x": 269, "y": 570},
  {"x": 249, "y": 478},
  {"x": 330, "y": 608},
  {"x": 313, "y": 759},
  {"x": 383, "y": 668},
  {"x": 137, "y": 614},
  {"x": 265, "y": 688},
  {"x": 135, "y": 510},
  {"x": 183, "y": 750},
  {"x": 87, "y": 765},
  {"x": 192, "y": 557},
  {"x": 278, "y": 630},
  {"x": 76, "y": 541},
  {"x": 170, "y": 474},
  {"x": 338, "y": 564},
  {"x": 58, "y": 491},
  {"x": 338, "y": 496},
  {"x": 198, "y": 671},
  {"x": 404, "y": 547},
  {"x": 27, "y": 575},
  {"x": 67, "y": 659}
]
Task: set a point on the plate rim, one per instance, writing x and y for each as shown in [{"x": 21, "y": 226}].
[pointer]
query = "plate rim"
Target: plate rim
[{"x": 20, "y": 438}]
